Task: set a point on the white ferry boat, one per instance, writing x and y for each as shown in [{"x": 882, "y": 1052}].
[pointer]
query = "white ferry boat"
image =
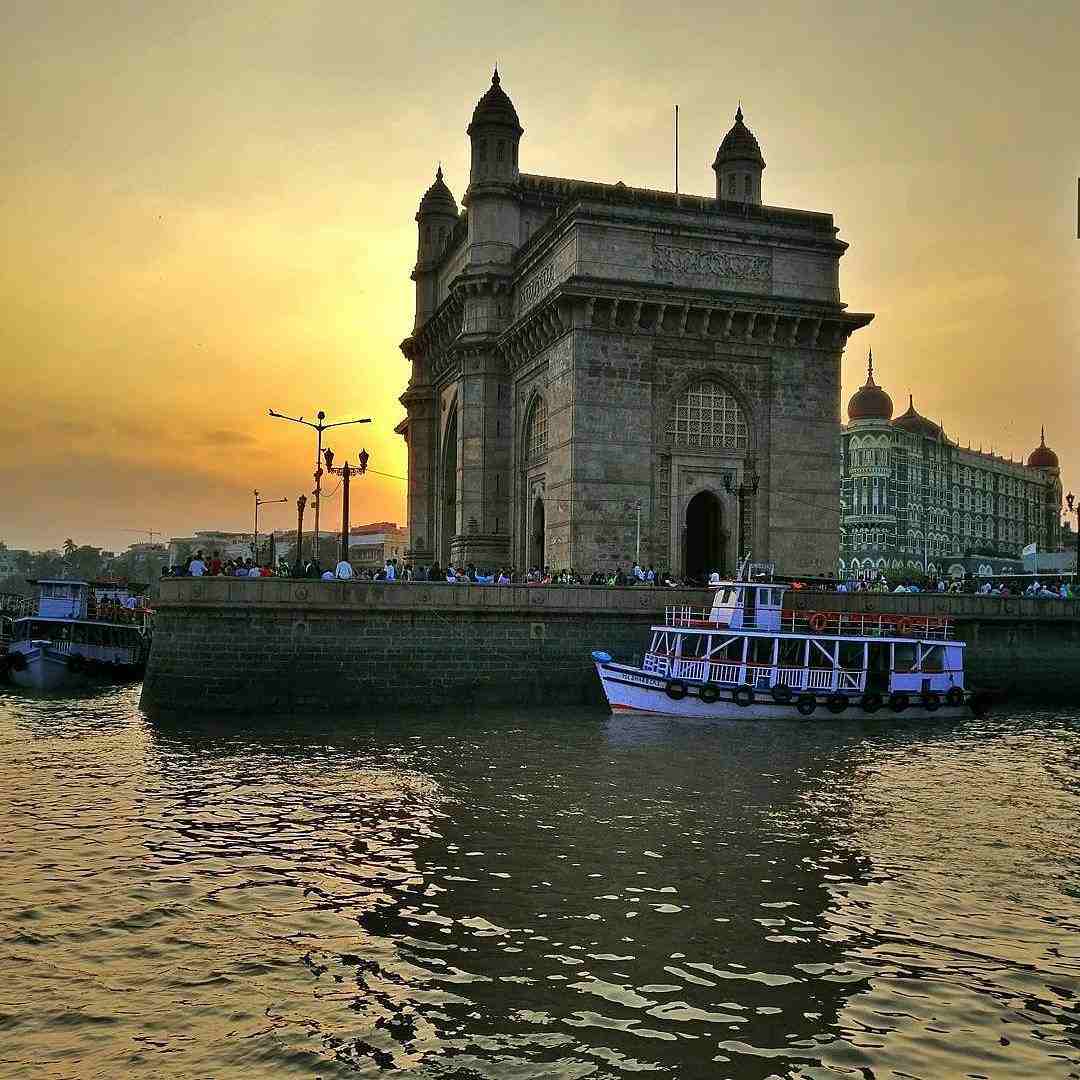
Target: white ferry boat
[
  {"x": 77, "y": 631},
  {"x": 750, "y": 658}
]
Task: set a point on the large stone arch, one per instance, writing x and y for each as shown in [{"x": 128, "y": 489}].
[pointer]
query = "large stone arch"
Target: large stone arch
[
  {"x": 448, "y": 492},
  {"x": 715, "y": 469}
]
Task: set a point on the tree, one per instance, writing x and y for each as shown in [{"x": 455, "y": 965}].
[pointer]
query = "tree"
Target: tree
[{"x": 70, "y": 547}]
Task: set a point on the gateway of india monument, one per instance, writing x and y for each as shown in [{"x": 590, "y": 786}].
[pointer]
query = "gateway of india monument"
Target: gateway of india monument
[{"x": 589, "y": 359}]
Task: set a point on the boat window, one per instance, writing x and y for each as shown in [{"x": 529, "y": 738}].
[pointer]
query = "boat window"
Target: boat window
[
  {"x": 694, "y": 645},
  {"x": 933, "y": 658},
  {"x": 759, "y": 650},
  {"x": 822, "y": 654},
  {"x": 904, "y": 657},
  {"x": 851, "y": 655},
  {"x": 727, "y": 596},
  {"x": 731, "y": 651},
  {"x": 792, "y": 652}
]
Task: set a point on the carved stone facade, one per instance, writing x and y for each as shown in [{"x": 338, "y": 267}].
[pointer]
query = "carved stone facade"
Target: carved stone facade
[{"x": 583, "y": 350}]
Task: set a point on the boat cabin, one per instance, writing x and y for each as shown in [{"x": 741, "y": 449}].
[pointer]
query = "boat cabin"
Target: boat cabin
[
  {"x": 62, "y": 599},
  {"x": 748, "y": 605}
]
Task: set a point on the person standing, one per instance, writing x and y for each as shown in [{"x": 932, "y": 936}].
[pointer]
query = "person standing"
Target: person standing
[{"x": 343, "y": 571}]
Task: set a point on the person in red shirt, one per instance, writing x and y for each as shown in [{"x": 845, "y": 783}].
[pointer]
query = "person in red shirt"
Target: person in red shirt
[{"x": 215, "y": 564}]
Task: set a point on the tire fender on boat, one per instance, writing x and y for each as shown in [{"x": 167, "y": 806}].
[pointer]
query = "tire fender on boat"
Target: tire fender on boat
[
  {"x": 781, "y": 693},
  {"x": 872, "y": 701},
  {"x": 836, "y": 703},
  {"x": 709, "y": 693},
  {"x": 675, "y": 690},
  {"x": 743, "y": 696},
  {"x": 76, "y": 663},
  {"x": 806, "y": 704},
  {"x": 17, "y": 662},
  {"x": 954, "y": 697},
  {"x": 931, "y": 702},
  {"x": 899, "y": 701}
]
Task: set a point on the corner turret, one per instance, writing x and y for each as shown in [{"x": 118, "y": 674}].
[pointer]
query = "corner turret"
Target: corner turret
[
  {"x": 739, "y": 164},
  {"x": 435, "y": 220}
]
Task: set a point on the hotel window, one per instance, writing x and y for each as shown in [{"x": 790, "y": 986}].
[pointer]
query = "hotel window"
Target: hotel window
[{"x": 708, "y": 417}]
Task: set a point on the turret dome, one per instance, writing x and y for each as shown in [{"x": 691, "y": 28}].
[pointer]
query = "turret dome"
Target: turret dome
[
  {"x": 739, "y": 144},
  {"x": 870, "y": 402},
  {"x": 1042, "y": 457},
  {"x": 495, "y": 107},
  {"x": 438, "y": 199}
]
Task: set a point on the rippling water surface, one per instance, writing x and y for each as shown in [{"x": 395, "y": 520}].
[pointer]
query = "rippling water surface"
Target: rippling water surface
[{"x": 528, "y": 895}]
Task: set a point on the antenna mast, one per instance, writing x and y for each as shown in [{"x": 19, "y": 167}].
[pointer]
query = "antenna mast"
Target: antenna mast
[{"x": 676, "y": 149}]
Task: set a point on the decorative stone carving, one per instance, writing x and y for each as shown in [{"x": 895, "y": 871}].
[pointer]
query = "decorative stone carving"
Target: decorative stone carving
[{"x": 716, "y": 264}]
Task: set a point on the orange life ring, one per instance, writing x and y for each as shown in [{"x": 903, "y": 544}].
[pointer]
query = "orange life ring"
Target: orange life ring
[{"x": 818, "y": 622}]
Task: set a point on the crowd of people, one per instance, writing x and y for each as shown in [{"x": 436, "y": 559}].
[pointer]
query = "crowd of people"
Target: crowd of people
[
  {"x": 1056, "y": 588},
  {"x": 400, "y": 570},
  {"x": 202, "y": 565}
]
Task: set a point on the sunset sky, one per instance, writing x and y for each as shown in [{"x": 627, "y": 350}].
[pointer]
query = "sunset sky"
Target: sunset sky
[{"x": 207, "y": 210}]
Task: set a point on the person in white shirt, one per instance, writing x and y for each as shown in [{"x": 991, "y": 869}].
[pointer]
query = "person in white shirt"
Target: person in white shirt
[
  {"x": 344, "y": 570},
  {"x": 391, "y": 570},
  {"x": 328, "y": 575},
  {"x": 197, "y": 568}
]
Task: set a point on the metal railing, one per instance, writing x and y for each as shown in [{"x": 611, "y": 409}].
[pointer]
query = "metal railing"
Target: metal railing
[
  {"x": 820, "y": 623},
  {"x": 823, "y": 680}
]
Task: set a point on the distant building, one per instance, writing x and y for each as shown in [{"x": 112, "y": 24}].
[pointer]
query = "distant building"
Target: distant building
[
  {"x": 914, "y": 501},
  {"x": 11, "y": 560},
  {"x": 371, "y": 545},
  {"x": 229, "y": 545}
]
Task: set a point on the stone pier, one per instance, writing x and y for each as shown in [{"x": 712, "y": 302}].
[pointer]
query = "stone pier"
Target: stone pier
[{"x": 276, "y": 645}]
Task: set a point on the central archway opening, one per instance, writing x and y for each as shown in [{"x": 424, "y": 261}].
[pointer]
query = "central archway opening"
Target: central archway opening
[
  {"x": 536, "y": 541},
  {"x": 704, "y": 536},
  {"x": 448, "y": 513}
]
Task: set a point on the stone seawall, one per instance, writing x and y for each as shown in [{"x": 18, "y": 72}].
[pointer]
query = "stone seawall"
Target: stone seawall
[{"x": 278, "y": 645}]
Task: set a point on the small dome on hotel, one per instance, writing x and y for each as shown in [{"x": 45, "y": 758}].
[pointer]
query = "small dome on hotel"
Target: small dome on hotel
[{"x": 917, "y": 424}]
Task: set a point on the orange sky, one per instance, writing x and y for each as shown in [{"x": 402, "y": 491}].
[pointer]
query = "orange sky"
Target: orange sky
[{"x": 208, "y": 210}]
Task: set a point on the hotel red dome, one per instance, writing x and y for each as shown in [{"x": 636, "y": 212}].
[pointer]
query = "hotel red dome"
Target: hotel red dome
[
  {"x": 870, "y": 402},
  {"x": 1042, "y": 457}
]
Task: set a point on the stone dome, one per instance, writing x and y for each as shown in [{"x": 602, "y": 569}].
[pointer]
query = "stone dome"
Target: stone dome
[
  {"x": 918, "y": 424},
  {"x": 1042, "y": 457},
  {"x": 870, "y": 402},
  {"x": 438, "y": 199},
  {"x": 739, "y": 144},
  {"x": 495, "y": 107}
]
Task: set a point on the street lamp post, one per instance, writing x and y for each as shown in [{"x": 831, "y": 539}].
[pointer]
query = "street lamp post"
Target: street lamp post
[
  {"x": 742, "y": 489},
  {"x": 1074, "y": 508},
  {"x": 255, "y": 533},
  {"x": 346, "y": 472},
  {"x": 301, "y": 502},
  {"x": 637, "y": 544},
  {"x": 319, "y": 427}
]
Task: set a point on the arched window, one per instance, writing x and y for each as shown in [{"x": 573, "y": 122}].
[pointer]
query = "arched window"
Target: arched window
[
  {"x": 708, "y": 417},
  {"x": 731, "y": 184},
  {"x": 536, "y": 430},
  {"x": 747, "y": 186}
]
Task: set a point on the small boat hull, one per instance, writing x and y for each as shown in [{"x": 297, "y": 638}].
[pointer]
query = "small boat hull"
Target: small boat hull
[
  {"x": 45, "y": 671},
  {"x": 633, "y": 690},
  {"x": 42, "y": 667}
]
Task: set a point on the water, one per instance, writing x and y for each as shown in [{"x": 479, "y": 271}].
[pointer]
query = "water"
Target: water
[{"x": 535, "y": 895}]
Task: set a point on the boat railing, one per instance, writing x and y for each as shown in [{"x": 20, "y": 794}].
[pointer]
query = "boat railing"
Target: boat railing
[
  {"x": 759, "y": 676},
  {"x": 820, "y": 623}
]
